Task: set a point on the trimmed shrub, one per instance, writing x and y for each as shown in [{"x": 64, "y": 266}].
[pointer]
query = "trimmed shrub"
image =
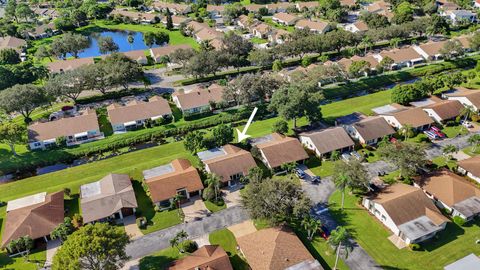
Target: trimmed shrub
[
  {"x": 141, "y": 222},
  {"x": 414, "y": 246},
  {"x": 189, "y": 246},
  {"x": 459, "y": 220}
]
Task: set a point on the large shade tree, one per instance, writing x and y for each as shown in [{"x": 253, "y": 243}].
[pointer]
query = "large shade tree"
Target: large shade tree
[
  {"x": 23, "y": 98},
  {"x": 11, "y": 134},
  {"x": 93, "y": 247},
  {"x": 407, "y": 156}
]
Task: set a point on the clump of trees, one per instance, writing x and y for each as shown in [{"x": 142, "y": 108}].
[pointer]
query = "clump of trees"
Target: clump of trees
[
  {"x": 23, "y": 98},
  {"x": 406, "y": 93},
  {"x": 252, "y": 87},
  {"x": 196, "y": 140},
  {"x": 408, "y": 157},
  {"x": 98, "y": 246},
  {"x": 69, "y": 43}
]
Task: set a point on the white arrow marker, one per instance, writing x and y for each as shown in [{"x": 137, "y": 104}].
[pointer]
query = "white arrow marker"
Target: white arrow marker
[{"x": 243, "y": 135}]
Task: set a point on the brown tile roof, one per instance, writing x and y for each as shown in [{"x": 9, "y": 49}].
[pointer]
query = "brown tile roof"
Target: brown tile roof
[
  {"x": 166, "y": 50},
  {"x": 472, "y": 95},
  {"x": 348, "y": 3},
  {"x": 282, "y": 149},
  {"x": 263, "y": 28},
  {"x": 405, "y": 203},
  {"x": 71, "y": 64},
  {"x": 137, "y": 55},
  {"x": 313, "y": 25},
  {"x": 165, "y": 186},
  {"x": 361, "y": 25},
  {"x": 432, "y": 48},
  {"x": 107, "y": 196},
  {"x": 472, "y": 165},
  {"x": 401, "y": 55},
  {"x": 416, "y": 117},
  {"x": 215, "y": 8},
  {"x": 171, "y": 6},
  {"x": 138, "y": 110},
  {"x": 273, "y": 249},
  {"x": 196, "y": 26},
  {"x": 373, "y": 128},
  {"x": 328, "y": 140},
  {"x": 285, "y": 17},
  {"x": 209, "y": 257},
  {"x": 135, "y": 15},
  {"x": 87, "y": 121},
  {"x": 448, "y": 187},
  {"x": 235, "y": 161},
  {"x": 309, "y": 5},
  {"x": 447, "y": 109},
  {"x": 176, "y": 19},
  {"x": 378, "y": 6},
  {"x": 208, "y": 34},
  {"x": 465, "y": 40},
  {"x": 254, "y": 7},
  {"x": 11, "y": 42},
  {"x": 43, "y": 28},
  {"x": 35, "y": 220},
  {"x": 200, "y": 97},
  {"x": 369, "y": 58},
  {"x": 280, "y": 5}
]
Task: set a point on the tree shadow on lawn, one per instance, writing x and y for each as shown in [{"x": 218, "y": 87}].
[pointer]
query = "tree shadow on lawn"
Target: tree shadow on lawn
[
  {"x": 237, "y": 262},
  {"x": 451, "y": 233},
  {"x": 72, "y": 205},
  {"x": 155, "y": 262},
  {"x": 342, "y": 218},
  {"x": 145, "y": 205}
]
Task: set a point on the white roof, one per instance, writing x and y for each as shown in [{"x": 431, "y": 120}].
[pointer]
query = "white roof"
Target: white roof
[
  {"x": 26, "y": 201},
  {"x": 470, "y": 262},
  {"x": 89, "y": 190}
]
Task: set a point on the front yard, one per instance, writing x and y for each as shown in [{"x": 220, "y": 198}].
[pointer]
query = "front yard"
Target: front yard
[
  {"x": 35, "y": 261},
  {"x": 455, "y": 131},
  {"x": 227, "y": 241},
  {"x": 320, "y": 168},
  {"x": 454, "y": 243}
]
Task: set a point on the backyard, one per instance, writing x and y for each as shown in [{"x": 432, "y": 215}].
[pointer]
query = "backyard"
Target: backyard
[{"x": 452, "y": 244}]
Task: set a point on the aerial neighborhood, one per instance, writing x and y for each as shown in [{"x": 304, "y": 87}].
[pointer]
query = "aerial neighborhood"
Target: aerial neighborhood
[{"x": 235, "y": 135}]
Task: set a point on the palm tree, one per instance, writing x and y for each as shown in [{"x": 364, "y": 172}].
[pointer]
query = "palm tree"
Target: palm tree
[
  {"x": 213, "y": 181},
  {"x": 474, "y": 140},
  {"x": 468, "y": 111},
  {"x": 341, "y": 181},
  {"x": 367, "y": 43},
  {"x": 406, "y": 130},
  {"x": 448, "y": 150},
  {"x": 311, "y": 225},
  {"x": 338, "y": 238},
  {"x": 394, "y": 42},
  {"x": 174, "y": 243}
]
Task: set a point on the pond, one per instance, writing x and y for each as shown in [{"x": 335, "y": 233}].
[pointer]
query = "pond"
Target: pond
[{"x": 120, "y": 38}]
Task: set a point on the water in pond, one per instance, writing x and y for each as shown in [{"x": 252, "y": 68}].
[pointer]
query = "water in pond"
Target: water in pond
[{"x": 120, "y": 38}]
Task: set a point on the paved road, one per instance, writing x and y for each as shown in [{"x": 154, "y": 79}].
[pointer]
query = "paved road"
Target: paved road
[
  {"x": 159, "y": 240},
  {"x": 460, "y": 142}
]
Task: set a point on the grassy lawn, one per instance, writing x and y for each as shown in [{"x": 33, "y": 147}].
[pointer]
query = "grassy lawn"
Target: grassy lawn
[
  {"x": 372, "y": 156},
  {"x": 442, "y": 161},
  {"x": 469, "y": 151},
  {"x": 453, "y": 243},
  {"x": 176, "y": 38},
  {"x": 104, "y": 123},
  {"x": 454, "y": 131},
  {"x": 257, "y": 40},
  {"x": 321, "y": 168},
  {"x": 270, "y": 22},
  {"x": 213, "y": 207},
  {"x": 35, "y": 261},
  {"x": 227, "y": 241},
  {"x": 391, "y": 177},
  {"x": 160, "y": 259}
]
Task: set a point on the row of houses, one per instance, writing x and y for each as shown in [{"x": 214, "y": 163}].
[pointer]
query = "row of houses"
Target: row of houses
[{"x": 413, "y": 213}]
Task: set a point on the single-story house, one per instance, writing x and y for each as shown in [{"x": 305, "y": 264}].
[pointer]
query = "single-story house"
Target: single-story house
[
  {"x": 35, "y": 216},
  {"x": 444, "y": 111},
  {"x": 43, "y": 31},
  {"x": 215, "y": 11},
  {"x": 404, "y": 57},
  {"x": 466, "y": 96},
  {"x": 176, "y": 21},
  {"x": 407, "y": 212},
  {"x": 348, "y": 3},
  {"x": 255, "y": 8},
  {"x": 208, "y": 257},
  {"x": 159, "y": 52},
  {"x": 278, "y": 7},
  {"x": 177, "y": 177},
  {"x": 195, "y": 27},
  {"x": 456, "y": 16},
  {"x": 177, "y": 9},
  {"x": 277, "y": 149},
  {"x": 46, "y": 13},
  {"x": 285, "y": 18},
  {"x": 357, "y": 27},
  {"x": 452, "y": 193},
  {"x": 110, "y": 197},
  {"x": 10, "y": 42},
  {"x": 465, "y": 41},
  {"x": 198, "y": 100},
  {"x": 208, "y": 34},
  {"x": 70, "y": 64},
  {"x": 244, "y": 21},
  {"x": 138, "y": 17},
  {"x": 278, "y": 36},
  {"x": 430, "y": 50},
  {"x": 311, "y": 5},
  {"x": 417, "y": 118},
  {"x": 469, "y": 262},
  {"x": 324, "y": 142},
  {"x": 314, "y": 26},
  {"x": 78, "y": 129},
  {"x": 261, "y": 30},
  {"x": 470, "y": 167},
  {"x": 369, "y": 130},
  {"x": 136, "y": 112},
  {"x": 276, "y": 248},
  {"x": 476, "y": 3},
  {"x": 228, "y": 162},
  {"x": 345, "y": 63},
  {"x": 380, "y": 7},
  {"x": 137, "y": 56}
]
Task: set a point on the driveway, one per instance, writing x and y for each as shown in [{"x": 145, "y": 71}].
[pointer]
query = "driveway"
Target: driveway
[
  {"x": 318, "y": 193},
  {"x": 131, "y": 227},
  {"x": 232, "y": 196},
  {"x": 460, "y": 142},
  {"x": 195, "y": 209},
  {"x": 159, "y": 240},
  {"x": 244, "y": 228}
]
